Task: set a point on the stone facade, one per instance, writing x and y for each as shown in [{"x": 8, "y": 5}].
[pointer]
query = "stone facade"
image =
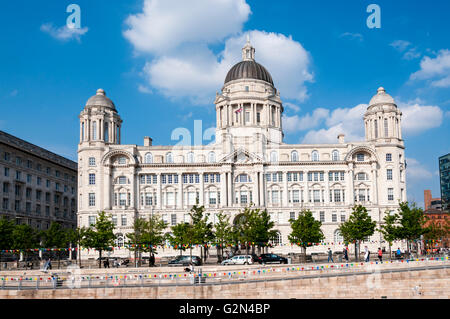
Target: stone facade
[
  {"x": 247, "y": 164},
  {"x": 38, "y": 186}
]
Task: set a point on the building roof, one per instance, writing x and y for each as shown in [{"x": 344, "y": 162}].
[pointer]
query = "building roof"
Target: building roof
[
  {"x": 248, "y": 70},
  {"x": 100, "y": 99},
  {"x": 381, "y": 98},
  {"x": 37, "y": 151}
]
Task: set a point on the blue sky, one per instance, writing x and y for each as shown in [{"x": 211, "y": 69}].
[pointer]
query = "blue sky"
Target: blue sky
[{"x": 161, "y": 62}]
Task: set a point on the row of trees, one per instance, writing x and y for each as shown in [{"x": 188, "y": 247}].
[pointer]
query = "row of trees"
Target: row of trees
[{"x": 252, "y": 230}]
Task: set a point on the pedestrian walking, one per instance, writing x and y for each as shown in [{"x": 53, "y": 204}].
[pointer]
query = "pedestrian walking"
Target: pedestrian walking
[
  {"x": 399, "y": 253},
  {"x": 345, "y": 252},
  {"x": 152, "y": 260},
  {"x": 380, "y": 254},
  {"x": 49, "y": 264},
  {"x": 367, "y": 254},
  {"x": 330, "y": 255}
]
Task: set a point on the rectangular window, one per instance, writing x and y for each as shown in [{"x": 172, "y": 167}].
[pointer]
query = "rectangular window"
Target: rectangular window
[
  {"x": 390, "y": 194},
  {"x": 389, "y": 174},
  {"x": 91, "y": 220},
  {"x": 173, "y": 219},
  {"x": 122, "y": 179},
  {"x": 114, "y": 220},
  {"x": 388, "y": 157},
  {"x": 316, "y": 194},
  {"x": 258, "y": 117},
  {"x": 322, "y": 217},
  {"x": 295, "y": 196},
  {"x": 170, "y": 198},
  {"x": 91, "y": 161},
  {"x": 292, "y": 215},
  {"x": 212, "y": 198},
  {"x": 244, "y": 198},
  {"x": 337, "y": 195},
  {"x": 247, "y": 117},
  {"x": 343, "y": 218},
  {"x": 360, "y": 157},
  {"x": 91, "y": 179},
  {"x": 334, "y": 218},
  {"x": 6, "y": 171},
  {"x": 91, "y": 199},
  {"x": 275, "y": 198},
  {"x": 124, "y": 220}
]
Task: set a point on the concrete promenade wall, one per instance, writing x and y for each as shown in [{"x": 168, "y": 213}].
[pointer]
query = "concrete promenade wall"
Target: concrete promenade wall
[{"x": 410, "y": 283}]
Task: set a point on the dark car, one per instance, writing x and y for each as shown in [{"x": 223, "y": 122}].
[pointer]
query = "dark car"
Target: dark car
[
  {"x": 185, "y": 261},
  {"x": 272, "y": 259}
]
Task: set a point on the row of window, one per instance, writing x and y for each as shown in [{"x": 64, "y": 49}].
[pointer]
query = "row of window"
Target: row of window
[
  {"x": 29, "y": 164},
  {"x": 29, "y": 180},
  {"x": 190, "y": 158},
  {"x": 16, "y": 206}
]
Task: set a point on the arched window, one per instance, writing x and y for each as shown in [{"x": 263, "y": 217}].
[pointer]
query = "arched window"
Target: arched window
[
  {"x": 386, "y": 128},
  {"x": 169, "y": 158},
  {"x": 273, "y": 156},
  {"x": 94, "y": 130},
  {"x": 243, "y": 178},
  {"x": 315, "y": 156},
  {"x": 119, "y": 240},
  {"x": 335, "y": 155},
  {"x": 338, "y": 238},
  {"x": 277, "y": 239},
  {"x": 148, "y": 158},
  {"x": 212, "y": 157},
  {"x": 106, "y": 132},
  {"x": 294, "y": 156},
  {"x": 190, "y": 157}
]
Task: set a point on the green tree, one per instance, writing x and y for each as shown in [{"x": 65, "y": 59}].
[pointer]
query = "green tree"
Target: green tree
[
  {"x": 305, "y": 231},
  {"x": 411, "y": 223},
  {"x": 358, "y": 227},
  {"x": 202, "y": 229},
  {"x": 6, "y": 235},
  {"x": 24, "y": 238},
  {"x": 100, "y": 236},
  {"x": 182, "y": 236},
  {"x": 135, "y": 239},
  {"x": 153, "y": 235},
  {"x": 56, "y": 237},
  {"x": 389, "y": 230},
  {"x": 223, "y": 234},
  {"x": 261, "y": 231},
  {"x": 76, "y": 237}
]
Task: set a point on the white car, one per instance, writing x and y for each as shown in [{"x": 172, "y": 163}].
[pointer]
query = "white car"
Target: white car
[{"x": 238, "y": 260}]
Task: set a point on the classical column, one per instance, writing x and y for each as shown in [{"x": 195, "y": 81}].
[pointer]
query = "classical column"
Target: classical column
[
  {"x": 202, "y": 190},
  {"x": 327, "y": 187},
  {"x": 285, "y": 190},
  {"x": 229, "y": 190},
  {"x": 159, "y": 191},
  {"x": 107, "y": 187},
  {"x": 223, "y": 189},
  {"x": 180, "y": 191},
  {"x": 133, "y": 189},
  {"x": 374, "y": 184},
  {"x": 351, "y": 196},
  {"x": 306, "y": 186}
]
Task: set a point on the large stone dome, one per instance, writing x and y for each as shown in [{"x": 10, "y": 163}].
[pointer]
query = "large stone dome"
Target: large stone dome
[
  {"x": 248, "y": 69},
  {"x": 381, "y": 98},
  {"x": 100, "y": 99}
]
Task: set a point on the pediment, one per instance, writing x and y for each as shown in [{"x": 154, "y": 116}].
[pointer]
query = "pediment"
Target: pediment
[{"x": 242, "y": 156}]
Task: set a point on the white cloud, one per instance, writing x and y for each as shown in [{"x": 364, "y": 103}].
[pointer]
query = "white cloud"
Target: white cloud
[
  {"x": 437, "y": 69},
  {"x": 419, "y": 118},
  {"x": 416, "y": 172},
  {"x": 144, "y": 89},
  {"x": 163, "y": 26},
  {"x": 400, "y": 45},
  {"x": 292, "y": 106},
  {"x": 63, "y": 33},
  {"x": 182, "y": 64},
  {"x": 296, "y": 123},
  {"x": 352, "y": 36},
  {"x": 348, "y": 121}
]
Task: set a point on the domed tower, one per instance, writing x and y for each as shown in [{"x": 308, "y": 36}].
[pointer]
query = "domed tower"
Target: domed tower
[
  {"x": 249, "y": 108},
  {"x": 382, "y": 119},
  {"x": 99, "y": 121}
]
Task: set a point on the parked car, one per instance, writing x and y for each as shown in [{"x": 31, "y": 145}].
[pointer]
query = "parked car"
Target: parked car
[
  {"x": 238, "y": 260},
  {"x": 272, "y": 259},
  {"x": 185, "y": 261}
]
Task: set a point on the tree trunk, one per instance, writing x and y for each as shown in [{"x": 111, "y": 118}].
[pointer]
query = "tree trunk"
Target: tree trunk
[
  {"x": 390, "y": 252},
  {"x": 304, "y": 254},
  {"x": 357, "y": 250},
  {"x": 100, "y": 259}
]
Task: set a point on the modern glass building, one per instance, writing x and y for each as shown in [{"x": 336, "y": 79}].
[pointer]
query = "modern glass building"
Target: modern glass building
[{"x": 444, "y": 173}]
